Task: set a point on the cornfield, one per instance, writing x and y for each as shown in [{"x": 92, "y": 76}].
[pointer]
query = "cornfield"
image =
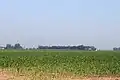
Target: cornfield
[{"x": 75, "y": 62}]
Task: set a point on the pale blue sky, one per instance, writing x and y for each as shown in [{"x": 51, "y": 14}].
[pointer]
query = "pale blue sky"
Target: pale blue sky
[{"x": 60, "y": 22}]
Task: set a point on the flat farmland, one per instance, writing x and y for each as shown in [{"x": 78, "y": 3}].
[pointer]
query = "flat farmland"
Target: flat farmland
[{"x": 60, "y": 65}]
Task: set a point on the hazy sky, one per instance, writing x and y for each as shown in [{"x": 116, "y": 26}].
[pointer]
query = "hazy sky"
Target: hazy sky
[{"x": 60, "y": 22}]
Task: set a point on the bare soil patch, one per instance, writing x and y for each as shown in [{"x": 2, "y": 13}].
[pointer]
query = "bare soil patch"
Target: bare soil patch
[
  {"x": 8, "y": 76},
  {"x": 5, "y": 76}
]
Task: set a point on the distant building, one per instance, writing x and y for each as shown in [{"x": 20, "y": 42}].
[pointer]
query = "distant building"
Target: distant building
[{"x": 1, "y": 48}]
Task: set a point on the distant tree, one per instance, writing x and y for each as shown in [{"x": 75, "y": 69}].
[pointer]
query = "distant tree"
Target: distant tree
[
  {"x": 115, "y": 48},
  {"x": 80, "y": 47},
  {"x": 9, "y": 46},
  {"x": 17, "y": 46},
  {"x": 93, "y": 48}
]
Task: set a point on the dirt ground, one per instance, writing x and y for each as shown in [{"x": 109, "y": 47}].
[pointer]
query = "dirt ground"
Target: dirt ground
[{"x": 8, "y": 76}]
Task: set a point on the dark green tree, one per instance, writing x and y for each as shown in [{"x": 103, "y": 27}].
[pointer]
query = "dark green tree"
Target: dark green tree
[
  {"x": 17, "y": 46},
  {"x": 9, "y": 46}
]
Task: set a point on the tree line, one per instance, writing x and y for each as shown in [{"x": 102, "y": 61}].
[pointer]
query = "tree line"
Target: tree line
[
  {"x": 79, "y": 47},
  {"x": 116, "y": 49}
]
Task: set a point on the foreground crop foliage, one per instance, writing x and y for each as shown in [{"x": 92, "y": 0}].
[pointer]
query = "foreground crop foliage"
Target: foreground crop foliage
[{"x": 75, "y": 62}]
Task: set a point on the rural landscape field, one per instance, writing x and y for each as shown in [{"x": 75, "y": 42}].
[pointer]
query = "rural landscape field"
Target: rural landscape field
[
  {"x": 59, "y": 65},
  {"x": 59, "y": 40}
]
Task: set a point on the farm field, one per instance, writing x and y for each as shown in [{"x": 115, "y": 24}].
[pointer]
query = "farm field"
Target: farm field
[{"x": 59, "y": 65}]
